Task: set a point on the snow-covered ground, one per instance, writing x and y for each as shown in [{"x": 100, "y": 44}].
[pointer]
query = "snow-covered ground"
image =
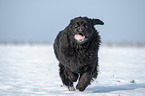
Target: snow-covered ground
[{"x": 33, "y": 70}]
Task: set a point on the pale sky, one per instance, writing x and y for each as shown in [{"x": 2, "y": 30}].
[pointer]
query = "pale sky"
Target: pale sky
[{"x": 41, "y": 20}]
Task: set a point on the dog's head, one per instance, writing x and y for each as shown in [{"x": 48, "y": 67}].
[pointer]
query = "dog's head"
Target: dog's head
[{"x": 82, "y": 28}]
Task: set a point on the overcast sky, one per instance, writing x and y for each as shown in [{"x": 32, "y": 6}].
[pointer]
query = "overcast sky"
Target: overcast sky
[{"x": 41, "y": 20}]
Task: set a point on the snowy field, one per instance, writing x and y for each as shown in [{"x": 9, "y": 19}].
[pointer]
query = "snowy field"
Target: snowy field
[{"x": 27, "y": 70}]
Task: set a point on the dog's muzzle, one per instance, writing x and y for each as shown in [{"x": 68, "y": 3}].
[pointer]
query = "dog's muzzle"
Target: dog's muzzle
[{"x": 80, "y": 37}]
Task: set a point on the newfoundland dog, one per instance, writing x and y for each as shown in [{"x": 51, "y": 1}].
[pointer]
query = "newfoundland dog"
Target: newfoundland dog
[{"x": 76, "y": 48}]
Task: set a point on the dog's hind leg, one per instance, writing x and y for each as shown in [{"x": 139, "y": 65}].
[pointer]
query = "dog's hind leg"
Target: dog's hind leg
[{"x": 65, "y": 78}]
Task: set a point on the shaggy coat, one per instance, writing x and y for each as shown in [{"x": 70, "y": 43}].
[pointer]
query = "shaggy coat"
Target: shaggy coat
[{"x": 76, "y": 48}]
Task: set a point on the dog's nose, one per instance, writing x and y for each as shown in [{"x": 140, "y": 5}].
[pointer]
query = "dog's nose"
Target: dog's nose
[{"x": 80, "y": 29}]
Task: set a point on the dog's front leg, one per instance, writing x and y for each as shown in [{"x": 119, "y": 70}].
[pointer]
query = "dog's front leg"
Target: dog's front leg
[{"x": 84, "y": 80}]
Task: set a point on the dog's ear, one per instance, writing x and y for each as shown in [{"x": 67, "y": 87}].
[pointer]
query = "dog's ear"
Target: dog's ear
[{"x": 97, "y": 22}]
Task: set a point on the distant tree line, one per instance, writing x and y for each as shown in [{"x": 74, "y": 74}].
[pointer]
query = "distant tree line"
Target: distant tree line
[
  {"x": 124, "y": 44},
  {"x": 23, "y": 43},
  {"x": 108, "y": 44}
]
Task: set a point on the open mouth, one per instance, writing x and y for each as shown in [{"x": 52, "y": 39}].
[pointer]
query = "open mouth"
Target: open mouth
[{"x": 80, "y": 37}]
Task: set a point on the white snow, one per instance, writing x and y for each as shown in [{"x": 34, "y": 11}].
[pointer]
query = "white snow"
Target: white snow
[{"x": 33, "y": 70}]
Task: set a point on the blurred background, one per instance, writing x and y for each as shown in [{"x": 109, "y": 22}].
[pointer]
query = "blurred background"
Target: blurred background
[{"x": 39, "y": 21}]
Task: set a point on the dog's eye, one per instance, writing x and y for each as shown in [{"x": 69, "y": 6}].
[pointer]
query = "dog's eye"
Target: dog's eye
[
  {"x": 78, "y": 23},
  {"x": 76, "y": 26},
  {"x": 85, "y": 25}
]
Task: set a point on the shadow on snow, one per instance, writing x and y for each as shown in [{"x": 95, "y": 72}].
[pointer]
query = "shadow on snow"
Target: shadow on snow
[{"x": 106, "y": 89}]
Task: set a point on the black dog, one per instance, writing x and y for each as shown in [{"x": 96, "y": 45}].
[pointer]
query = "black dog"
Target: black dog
[{"x": 76, "y": 48}]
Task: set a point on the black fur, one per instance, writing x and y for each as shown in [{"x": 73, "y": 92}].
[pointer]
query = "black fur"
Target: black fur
[{"x": 78, "y": 59}]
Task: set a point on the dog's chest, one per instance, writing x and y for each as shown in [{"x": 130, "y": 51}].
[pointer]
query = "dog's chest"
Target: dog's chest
[{"x": 78, "y": 63}]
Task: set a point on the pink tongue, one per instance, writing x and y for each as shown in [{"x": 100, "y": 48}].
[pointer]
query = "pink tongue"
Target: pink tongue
[{"x": 79, "y": 37}]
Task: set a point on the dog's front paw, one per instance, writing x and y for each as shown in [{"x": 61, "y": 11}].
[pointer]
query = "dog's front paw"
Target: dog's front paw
[
  {"x": 80, "y": 88},
  {"x": 71, "y": 88}
]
